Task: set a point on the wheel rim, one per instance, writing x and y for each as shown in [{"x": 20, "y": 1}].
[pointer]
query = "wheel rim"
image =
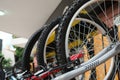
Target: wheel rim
[{"x": 46, "y": 43}]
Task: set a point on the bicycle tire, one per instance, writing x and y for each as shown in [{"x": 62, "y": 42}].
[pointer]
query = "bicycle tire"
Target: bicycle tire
[
  {"x": 42, "y": 46},
  {"x": 28, "y": 49},
  {"x": 62, "y": 30}
]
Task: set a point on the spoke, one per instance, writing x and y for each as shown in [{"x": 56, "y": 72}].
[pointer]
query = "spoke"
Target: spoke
[
  {"x": 49, "y": 47},
  {"x": 105, "y": 14}
]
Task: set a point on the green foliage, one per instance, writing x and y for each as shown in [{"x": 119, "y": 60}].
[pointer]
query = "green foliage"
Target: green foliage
[
  {"x": 6, "y": 62},
  {"x": 18, "y": 52},
  {"x": 14, "y": 36}
]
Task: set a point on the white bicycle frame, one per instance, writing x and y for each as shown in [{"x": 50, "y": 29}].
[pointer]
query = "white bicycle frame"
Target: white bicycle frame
[{"x": 104, "y": 55}]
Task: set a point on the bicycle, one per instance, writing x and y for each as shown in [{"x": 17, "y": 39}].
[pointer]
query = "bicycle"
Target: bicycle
[
  {"x": 43, "y": 34},
  {"x": 46, "y": 43},
  {"x": 94, "y": 9},
  {"x": 46, "y": 50},
  {"x": 84, "y": 20},
  {"x": 11, "y": 72},
  {"x": 28, "y": 49},
  {"x": 24, "y": 69}
]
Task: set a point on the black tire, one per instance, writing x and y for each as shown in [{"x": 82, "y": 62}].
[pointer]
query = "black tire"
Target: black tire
[
  {"x": 28, "y": 48},
  {"x": 41, "y": 54},
  {"x": 60, "y": 39},
  {"x": 62, "y": 29}
]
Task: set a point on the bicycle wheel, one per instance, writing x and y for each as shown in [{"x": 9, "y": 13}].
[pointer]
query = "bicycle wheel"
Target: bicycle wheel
[
  {"x": 83, "y": 33},
  {"x": 28, "y": 49},
  {"x": 46, "y": 48},
  {"x": 46, "y": 44}
]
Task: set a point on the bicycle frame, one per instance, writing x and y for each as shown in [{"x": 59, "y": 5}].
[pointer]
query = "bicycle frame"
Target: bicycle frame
[{"x": 114, "y": 49}]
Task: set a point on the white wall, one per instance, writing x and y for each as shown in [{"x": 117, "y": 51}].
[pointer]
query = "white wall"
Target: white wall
[{"x": 7, "y": 48}]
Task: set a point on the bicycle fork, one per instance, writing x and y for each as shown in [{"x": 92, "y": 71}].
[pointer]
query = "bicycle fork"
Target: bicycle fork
[{"x": 115, "y": 49}]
